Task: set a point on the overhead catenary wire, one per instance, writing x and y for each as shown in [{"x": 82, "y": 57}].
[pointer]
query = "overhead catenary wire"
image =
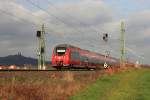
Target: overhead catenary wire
[
  {"x": 76, "y": 30},
  {"x": 131, "y": 51},
  {"x": 21, "y": 19},
  {"x": 74, "y": 19},
  {"x": 136, "y": 54},
  {"x": 24, "y": 20},
  {"x": 52, "y": 15},
  {"x": 14, "y": 16},
  {"x": 57, "y": 18}
]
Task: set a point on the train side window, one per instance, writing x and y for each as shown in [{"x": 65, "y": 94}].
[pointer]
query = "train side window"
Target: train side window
[
  {"x": 84, "y": 59},
  {"x": 75, "y": 55},
  {"x": 81, "y": 58}
]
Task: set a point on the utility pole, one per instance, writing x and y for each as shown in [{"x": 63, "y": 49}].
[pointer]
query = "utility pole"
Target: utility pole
[
  {"x": 41, "y": 51},
  {"x": 105, "y": 38},
  {"x": 122, "y": 41}
]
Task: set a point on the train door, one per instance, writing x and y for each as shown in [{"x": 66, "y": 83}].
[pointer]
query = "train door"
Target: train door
[{"x": 75, "y": 58}]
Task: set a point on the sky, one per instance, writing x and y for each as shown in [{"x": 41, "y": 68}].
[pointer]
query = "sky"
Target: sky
[{"x": 77, "y": 22}]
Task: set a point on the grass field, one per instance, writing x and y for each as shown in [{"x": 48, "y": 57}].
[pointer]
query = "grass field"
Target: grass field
[{"x": 128, "y": 85}]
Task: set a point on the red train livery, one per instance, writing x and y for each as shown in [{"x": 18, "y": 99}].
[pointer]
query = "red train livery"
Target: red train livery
[{"x": 65, "y": 55}]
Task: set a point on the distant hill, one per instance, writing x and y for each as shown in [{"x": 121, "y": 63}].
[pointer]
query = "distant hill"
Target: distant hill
[{"x": 18, "y": 60}]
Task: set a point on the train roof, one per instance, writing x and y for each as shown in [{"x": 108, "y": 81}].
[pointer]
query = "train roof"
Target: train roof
[
  {"x": 71, "y": 46},
  {"x": 66, "y": 45}
]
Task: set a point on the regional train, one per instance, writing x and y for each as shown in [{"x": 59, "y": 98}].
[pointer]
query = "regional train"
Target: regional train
[{"x": 68, "y": 56}]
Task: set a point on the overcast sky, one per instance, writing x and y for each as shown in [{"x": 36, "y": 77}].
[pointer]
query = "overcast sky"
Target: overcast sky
[{"x": 77, "y": 22}]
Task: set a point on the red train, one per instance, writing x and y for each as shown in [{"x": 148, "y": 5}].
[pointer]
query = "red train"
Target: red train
[{"x": 65, "y": 55}]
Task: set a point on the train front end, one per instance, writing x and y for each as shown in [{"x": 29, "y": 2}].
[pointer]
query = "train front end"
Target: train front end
[{"x": 60, "y": 57}]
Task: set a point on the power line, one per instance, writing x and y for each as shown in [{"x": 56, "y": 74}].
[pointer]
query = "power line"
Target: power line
[
  {"x": 58, "y": 18},
  {"x": 52, "y": 15},
  {"x": 75, "y": 19},
  {"x": 135, "y": 53},
  {"x": 21, "y": 19}
]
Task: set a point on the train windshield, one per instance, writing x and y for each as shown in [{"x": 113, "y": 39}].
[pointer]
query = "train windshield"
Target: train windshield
[{"x": 60, "y": 51}]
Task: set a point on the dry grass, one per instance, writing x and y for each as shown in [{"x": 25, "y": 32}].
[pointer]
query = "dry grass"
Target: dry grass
[{"x": 44, "y": 85}]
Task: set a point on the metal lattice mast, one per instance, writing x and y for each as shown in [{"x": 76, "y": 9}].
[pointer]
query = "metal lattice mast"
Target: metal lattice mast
[
  {"x": 43, "y": 47},
  {"x": 105, "y": 38},
  {"x": 39, "y": 54},
  {"x": 122, "y": 41},
  {"x": 41, "y": 51}
]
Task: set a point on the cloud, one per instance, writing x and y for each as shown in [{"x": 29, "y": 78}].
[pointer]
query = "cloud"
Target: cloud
[
  {"x": 81, "y": 23},
  {"x": 138, "y": 33},
  {"x": 16, "y": 25},
  {"x": 78, "y": 23},
  {"x": 73, "y": 22}
]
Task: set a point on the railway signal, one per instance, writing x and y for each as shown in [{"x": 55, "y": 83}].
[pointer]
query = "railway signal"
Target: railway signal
[{"x": 105, "y": 37}]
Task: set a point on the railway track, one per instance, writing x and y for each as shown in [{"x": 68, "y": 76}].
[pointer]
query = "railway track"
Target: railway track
[{"x": 13, "y": 70}]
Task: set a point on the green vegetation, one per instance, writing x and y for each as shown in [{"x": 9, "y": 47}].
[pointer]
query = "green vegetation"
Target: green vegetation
[{"x": 129, "y": 85}]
